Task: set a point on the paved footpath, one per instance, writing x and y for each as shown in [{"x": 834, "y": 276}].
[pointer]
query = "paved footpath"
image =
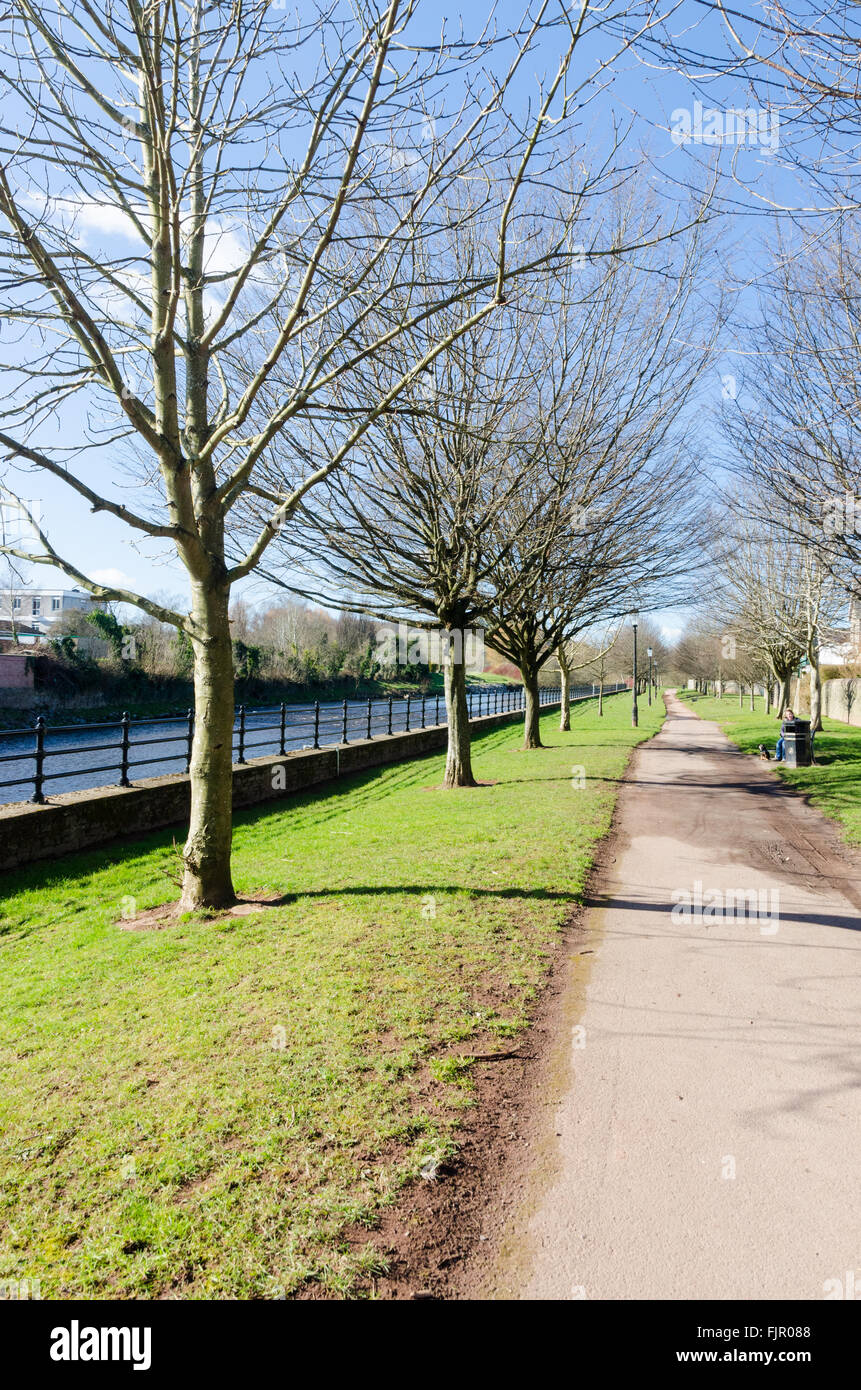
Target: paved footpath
[{"x": 710, "y": 1122}]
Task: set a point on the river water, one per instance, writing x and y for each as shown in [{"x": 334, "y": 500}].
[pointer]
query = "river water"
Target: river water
[{"x": 85, "y": 755}]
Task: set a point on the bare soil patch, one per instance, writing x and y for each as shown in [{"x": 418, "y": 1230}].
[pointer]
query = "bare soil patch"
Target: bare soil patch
[{"x": 169, "y": 914}]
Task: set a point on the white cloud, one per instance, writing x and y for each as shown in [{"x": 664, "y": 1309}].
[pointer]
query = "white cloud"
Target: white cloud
[
  {"x": 225, "y": 251},
  {"x": 112, "y": 578}
]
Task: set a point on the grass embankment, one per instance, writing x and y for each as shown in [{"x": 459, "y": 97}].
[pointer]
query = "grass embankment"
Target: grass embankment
[
  {"x": 199, "y": 1111},
  {"x": 833, "y": 785}
]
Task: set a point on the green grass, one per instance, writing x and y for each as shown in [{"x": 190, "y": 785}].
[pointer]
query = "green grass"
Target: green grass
[
  {"x": 833, "y": 785},
  {"x": 201, "y": 1111}
]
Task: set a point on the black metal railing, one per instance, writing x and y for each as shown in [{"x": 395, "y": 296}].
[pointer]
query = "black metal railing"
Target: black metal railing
[{"x": 275, "y": 729}]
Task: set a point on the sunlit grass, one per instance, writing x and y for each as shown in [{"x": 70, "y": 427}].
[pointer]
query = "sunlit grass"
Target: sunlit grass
[{"x": 200, "y": 1111}]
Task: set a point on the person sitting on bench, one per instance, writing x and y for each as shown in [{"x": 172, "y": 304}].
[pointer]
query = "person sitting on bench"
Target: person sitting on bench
[{"x": 788, "y": 716}]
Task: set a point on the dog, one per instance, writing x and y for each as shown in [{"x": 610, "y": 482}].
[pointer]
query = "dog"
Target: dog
[{"x": 764, "y": 753}]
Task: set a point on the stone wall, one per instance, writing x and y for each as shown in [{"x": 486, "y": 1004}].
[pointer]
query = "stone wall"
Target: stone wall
[
  {"x": 82, "y": 820},
  {"x": 841, "y": 699}
]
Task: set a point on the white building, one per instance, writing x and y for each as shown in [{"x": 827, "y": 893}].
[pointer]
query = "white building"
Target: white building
[
  {"x": 847, "y": 652},
  {"x": 41, "y": 608}
]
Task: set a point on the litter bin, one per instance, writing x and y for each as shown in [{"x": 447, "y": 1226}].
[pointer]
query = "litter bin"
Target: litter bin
[{"x": 796, "y": 743}]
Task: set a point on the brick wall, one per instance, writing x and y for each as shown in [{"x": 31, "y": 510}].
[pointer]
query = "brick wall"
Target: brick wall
[{"x": 16, "y": 672}]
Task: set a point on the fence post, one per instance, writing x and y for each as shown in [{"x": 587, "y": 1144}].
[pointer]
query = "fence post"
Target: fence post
[
  {"x": 390, "y": 715},
  {"x": 436, "y": 715},
  {"x": 316, "y": 723},
  {"x": 38, "y": 795},
  {"x": 407, "y": 729},
  {"x": 282, "y": 749},
  {"x": 124, "y": 750},
  {"x": 189, "y": 740},
  {"x": 241, "y": 751},
  {"x": 370, "y": 735},
  {"x": 344, "y": 738},
  {"x": 423, "y": 711}
]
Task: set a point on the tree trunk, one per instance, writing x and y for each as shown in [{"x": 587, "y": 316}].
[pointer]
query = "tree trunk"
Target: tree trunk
[
  {"x": 207, "y": 881},
  {"x": 601, "y": 698},
  {"x": 752, "y": 693},
  {"x": 740, "y": 695},
  {"x": 531, "y": 725},
  {"x": 815, "y": 698},
  {"x": 565, "y": 694},
  {"x": 458, "y": 763},
  {"x": 783, "y": 697}
]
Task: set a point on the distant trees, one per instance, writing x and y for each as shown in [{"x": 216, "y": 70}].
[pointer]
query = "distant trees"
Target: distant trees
[
  {"x": 776, "y": 600},
  {"x": 771, "y": 605},
  {"x": 595, "y": 654},
  {"x": 794, "y": 428}
]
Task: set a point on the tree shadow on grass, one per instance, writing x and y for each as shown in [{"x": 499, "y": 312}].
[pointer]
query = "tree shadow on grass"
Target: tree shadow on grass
[{"x": 395, "y": 890}]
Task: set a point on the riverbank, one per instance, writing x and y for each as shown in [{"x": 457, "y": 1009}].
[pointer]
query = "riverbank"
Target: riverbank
[{"x": 179, "y": 696}]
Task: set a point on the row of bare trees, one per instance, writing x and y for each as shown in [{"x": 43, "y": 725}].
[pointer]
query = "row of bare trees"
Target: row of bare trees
[
  {"x": 240, "y": 250},
  {"x": 538, "y": 480},
  {"x": 788, "y": 561},
  {"x": 772, "y": 606}
]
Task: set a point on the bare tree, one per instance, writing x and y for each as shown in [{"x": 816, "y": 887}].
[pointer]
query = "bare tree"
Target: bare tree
[
  {"x": 403, "y": 530},
  {"x": 763, "y": 604},
  {"x": 612, "y": 494},
  {"x": 197, "y": 197},
  {"x": 591, "y": 654},
  {"x": 794, "y": 427},
  {"x": 802, "y": 64}
]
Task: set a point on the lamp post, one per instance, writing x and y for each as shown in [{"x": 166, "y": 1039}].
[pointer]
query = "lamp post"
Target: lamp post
[
  {"x": 635, "y": 617},
  {"x": 649, "y": 652}
]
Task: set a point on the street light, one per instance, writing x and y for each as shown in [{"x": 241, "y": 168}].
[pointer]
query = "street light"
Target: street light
[
  {"x": 635, "y": 617},
  {"x": 649, "y": 650}
]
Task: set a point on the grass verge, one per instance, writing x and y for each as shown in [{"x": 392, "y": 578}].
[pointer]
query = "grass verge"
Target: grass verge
[
  {"x": 833, "y": 785},
  {"x": 200, "y": 1111}
]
